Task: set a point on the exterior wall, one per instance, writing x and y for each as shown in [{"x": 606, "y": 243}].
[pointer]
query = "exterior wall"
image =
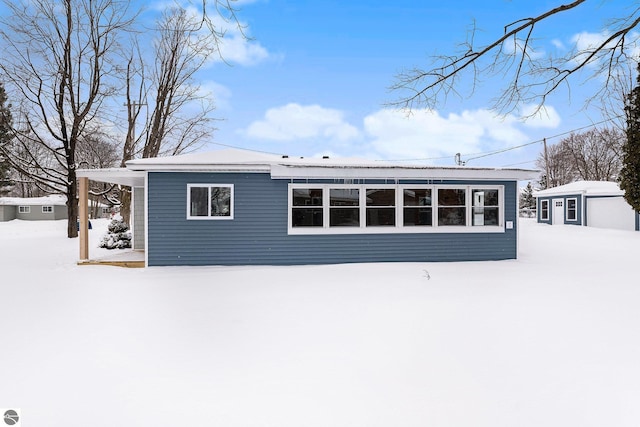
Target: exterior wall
[
  {"x": 258, "y": 232},
  {"x": 138, "y": 218},
  {"x": 36, "y": 214},
  {"x": 7, "y": 212},
  {"x": 550, "y": 220}
]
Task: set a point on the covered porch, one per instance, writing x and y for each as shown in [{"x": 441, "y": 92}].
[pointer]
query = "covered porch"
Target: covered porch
[{"x": 134, "y": 257}]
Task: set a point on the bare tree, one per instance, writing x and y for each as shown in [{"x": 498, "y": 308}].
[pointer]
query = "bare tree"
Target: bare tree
[
  {"x": 596, "y": 155},
  {"x": 178, "y": 115},
  {"x": 59, "y": 58},
  {"x": 557, "y": 162},
  {"x": 513, "y": 56}
]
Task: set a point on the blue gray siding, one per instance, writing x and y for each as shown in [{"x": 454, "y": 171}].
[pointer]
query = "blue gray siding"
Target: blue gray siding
[
  {"x": 258, "y": 232},
  {"x": 579, "y": 213}
]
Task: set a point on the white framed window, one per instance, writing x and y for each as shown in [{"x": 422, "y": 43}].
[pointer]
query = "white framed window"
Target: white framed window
[
  {"x": 24, "y": 209},
  {"x": 572, "y": 209},
  {"x": 391, "y": 208},
  {"x": 209, "y": 201},
  {"x": 47, "y": 209},
  {"x": 544, "y": 210}
]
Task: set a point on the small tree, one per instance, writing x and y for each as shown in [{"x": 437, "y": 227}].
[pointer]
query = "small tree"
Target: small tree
[
  {"x": 527, "y": 201},
  {"x": 630, "y": 174},
  {"x": 118, "y": 235}
]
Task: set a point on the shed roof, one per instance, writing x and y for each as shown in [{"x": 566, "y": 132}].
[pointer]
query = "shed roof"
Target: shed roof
[{"x": 589, "y": 188}]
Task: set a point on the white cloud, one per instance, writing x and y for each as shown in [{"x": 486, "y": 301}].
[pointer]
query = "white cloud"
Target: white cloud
[
  {"x": 295, "y": 121},
  {"x": 540, "y": 117},
  {"x": 427, "y": 134}
]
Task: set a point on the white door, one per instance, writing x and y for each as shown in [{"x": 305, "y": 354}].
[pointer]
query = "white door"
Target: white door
[{"x": 558, "y": 211}]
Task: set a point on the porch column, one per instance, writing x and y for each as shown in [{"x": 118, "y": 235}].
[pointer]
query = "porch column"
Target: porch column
[{"x": 83, "y": 217}]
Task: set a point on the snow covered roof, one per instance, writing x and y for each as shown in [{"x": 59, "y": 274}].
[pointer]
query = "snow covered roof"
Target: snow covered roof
[
  {"x": 589, "y": 188},
  {"x": 121, "y": 176},
  {"x": 302, "y": 167},
  {"x": 51, "y": 200}
]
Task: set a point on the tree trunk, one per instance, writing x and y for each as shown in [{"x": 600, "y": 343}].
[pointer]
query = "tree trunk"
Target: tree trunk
[{"x": 72, "y": 205}]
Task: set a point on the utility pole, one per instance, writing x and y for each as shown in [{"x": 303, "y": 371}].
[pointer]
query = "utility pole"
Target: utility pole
[{"x": 546, "y": 163}]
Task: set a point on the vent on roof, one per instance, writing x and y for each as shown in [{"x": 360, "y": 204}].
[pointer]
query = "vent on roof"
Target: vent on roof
[
  {"x": 325, "y": 157},
  {"x": 285, "y": 156}
]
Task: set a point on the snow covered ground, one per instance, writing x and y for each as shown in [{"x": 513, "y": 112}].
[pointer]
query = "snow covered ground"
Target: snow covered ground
[{"x": 552, "y": 339}]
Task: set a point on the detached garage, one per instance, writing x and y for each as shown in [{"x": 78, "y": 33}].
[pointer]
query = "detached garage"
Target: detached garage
[{"x": 589, "y": 203}]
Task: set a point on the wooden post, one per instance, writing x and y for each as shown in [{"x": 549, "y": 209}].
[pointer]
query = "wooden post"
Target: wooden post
[{"x": 83, "y": 218}]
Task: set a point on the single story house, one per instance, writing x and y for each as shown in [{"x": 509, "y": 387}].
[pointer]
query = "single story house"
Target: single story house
[
  {"x": 238, "y": 207},
  {"x": 51, "y": 207},
  {"x": 588, "y": 203}
]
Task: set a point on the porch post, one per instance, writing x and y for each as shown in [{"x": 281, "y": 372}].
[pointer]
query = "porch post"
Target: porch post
[{"x": 83, "y": 217}]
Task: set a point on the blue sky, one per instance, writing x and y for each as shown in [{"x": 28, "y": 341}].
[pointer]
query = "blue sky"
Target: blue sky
[{"x": 314, "y": 79}]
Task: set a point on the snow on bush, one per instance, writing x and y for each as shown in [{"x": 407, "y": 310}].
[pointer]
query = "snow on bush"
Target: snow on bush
[{"x": 117, "y": 237}]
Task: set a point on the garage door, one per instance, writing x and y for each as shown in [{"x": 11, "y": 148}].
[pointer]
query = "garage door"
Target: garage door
[{"x": 610, "y": 212}]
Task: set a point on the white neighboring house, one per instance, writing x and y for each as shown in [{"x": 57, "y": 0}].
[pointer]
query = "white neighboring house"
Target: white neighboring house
[{"x": 588, "y": 203}]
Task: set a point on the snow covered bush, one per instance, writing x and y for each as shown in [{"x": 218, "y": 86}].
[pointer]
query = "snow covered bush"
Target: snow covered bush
[{"x": 117, "y": 237}]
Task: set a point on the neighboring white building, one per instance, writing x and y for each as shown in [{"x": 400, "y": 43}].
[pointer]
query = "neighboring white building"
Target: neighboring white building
[{"x": 590, "y": 203}]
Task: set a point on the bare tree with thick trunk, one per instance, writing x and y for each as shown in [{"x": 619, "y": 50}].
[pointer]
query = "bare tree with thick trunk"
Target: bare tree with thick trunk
[{"x": 59, "y": 60}]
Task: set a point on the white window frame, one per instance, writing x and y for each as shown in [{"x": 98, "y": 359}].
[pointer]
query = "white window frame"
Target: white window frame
[
  {"x": 544, "y": 217},
  {"x": 399, "y": 210},
  {"x": 24, "y": 209},
  {"x": 575, "y": 209},
  {"x": 47, "y": 209},
  {"x": 210, "y": 217}
]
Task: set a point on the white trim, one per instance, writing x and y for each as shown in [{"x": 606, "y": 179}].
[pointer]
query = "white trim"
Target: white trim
[
  {"x": 542, "y": 218},
  {"x": 146, "y": 219},
  {"x": 566, "y": 211},
  {"x": 24, "y": 209},
  {"x": 399, "y": 226},
  {"x": 49, "y": 207},
  {"x": 209, "y": 217}
]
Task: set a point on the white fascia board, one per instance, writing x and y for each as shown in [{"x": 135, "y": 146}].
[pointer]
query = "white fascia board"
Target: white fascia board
[
  {"x": 295, "y": 172},
  {"x": 200, "y": 168},
  {"x": 119, "y": 176}
]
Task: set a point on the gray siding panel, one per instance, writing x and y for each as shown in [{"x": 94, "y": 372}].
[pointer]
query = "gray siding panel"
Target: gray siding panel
[{"x": 258, "y": 232}]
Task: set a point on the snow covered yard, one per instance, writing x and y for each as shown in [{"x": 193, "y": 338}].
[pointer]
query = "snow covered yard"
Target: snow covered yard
[{"x": 552, "y": 339}]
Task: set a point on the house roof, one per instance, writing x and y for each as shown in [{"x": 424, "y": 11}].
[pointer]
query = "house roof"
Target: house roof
[
  {"x": 51, "y": 200},
  {"x": 589, "y": 188},
  {"x": 279, "y": 166}
]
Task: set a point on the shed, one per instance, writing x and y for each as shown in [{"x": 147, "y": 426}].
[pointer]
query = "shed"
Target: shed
[
  {"x": 238, "y": 207},
  {"x": 587, "y": 203}
]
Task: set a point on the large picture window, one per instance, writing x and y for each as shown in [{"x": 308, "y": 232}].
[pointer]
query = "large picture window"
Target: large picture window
[
  {"x": 370, "y": 208},
  {"x": 210, "y": 201}
]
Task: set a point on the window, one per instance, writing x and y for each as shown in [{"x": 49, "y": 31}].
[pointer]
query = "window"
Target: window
[
  {"x": 207, "y": 201},
  {"x": 345, "y": 210},
  {"x": 47, "y": 209},
  {"x": 392, "y": 208},
  {"x": 307, "y": 207},
  {"x": 486, "y": 209},
  {"x": 417, "y": 207},
  {"x": 381, "y": 207},
  {"x": 24, "y": 209},
  {"x": 452, "y": 206},
  {"x": 572, "y": 210},
  {"x": 544, "y": 210}
]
